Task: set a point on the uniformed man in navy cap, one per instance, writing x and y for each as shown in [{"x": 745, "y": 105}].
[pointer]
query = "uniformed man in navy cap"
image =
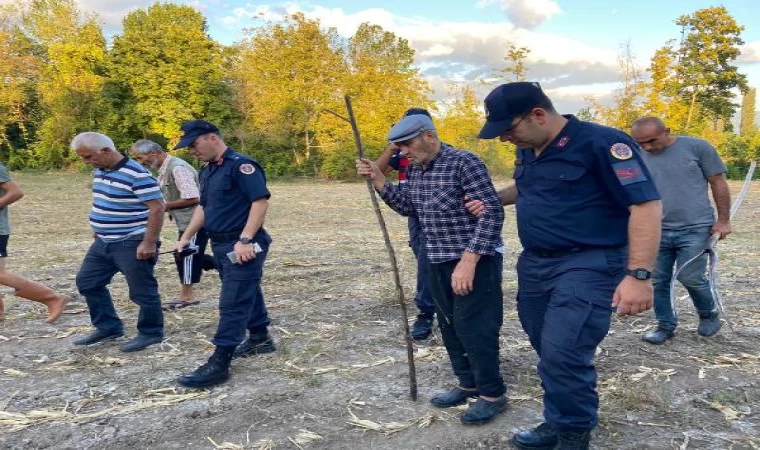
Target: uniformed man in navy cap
[
  {"x": 465, "y": 255},
  {"x": 588, "y": 217},
  {"x": 233, "y": 203}
]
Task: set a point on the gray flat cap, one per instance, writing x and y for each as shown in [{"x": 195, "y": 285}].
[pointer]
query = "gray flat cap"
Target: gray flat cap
[{"x": 410, "y": 127}]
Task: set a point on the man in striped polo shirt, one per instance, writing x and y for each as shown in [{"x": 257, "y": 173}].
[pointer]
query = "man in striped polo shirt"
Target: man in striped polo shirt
[{"x": 126, "y": 217}]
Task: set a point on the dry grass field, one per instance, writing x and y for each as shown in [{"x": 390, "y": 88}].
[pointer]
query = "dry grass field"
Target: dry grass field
[{"x": 339, "y": 377}]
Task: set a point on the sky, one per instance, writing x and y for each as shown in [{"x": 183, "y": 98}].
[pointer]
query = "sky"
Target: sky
[{"x": 574, "y": 43}]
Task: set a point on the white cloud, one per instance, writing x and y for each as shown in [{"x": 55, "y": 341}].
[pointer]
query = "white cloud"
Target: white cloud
[
  {"x": 469, "y": 52},
  {"x": 529, "y": 14},
  {"x": 446, "y": 52},
  {"x": 438, "y": 50},
  {"x": 111, "y": 12},
  {"x": 750, "y": 53},
  {"x": 254, "y": 12}
]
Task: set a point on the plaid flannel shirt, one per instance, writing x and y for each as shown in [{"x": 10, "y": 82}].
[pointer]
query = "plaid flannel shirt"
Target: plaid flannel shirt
[{"x": 436, "y": 195}]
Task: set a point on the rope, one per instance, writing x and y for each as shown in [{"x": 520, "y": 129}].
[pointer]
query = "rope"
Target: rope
[{"x": 712, "y": 256}]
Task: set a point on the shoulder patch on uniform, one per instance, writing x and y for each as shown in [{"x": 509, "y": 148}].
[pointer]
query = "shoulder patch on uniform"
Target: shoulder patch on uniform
[
  {"x": 621, "y": 151},
  {"x": 629, "y": 172},
  {"x": 247, "y": 169}
]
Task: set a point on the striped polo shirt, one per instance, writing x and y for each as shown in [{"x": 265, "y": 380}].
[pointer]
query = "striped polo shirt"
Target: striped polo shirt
[{"x": 118, "y": 200}]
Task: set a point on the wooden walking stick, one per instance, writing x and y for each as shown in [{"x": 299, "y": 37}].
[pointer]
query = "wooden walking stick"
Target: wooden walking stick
[{"x": 391, "y": 253}]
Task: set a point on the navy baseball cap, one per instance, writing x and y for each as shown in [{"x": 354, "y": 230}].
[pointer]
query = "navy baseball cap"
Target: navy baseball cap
[
  {"x": 507, "y": 102},
  {"x": 410, "y": 127},
  {"x": 192, "y": 129}
]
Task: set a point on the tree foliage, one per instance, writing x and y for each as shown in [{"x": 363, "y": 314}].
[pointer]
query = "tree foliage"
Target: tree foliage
[
  {"x": 275, "y": 94},
  {"x": 164, "y": 70}
]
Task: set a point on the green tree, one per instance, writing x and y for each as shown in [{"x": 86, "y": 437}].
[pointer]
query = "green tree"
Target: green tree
[
  {"x": 19, "y": 100},
  {"x": 64, "y": 50},
  {"x": 70, "y": 92},
  {"x": 164, "y": 70},
  {"x": 460, "y": 125},
  {"x": 383, "y": 83},
  {"x": 710, "y": 44},
  {"x": 747, "y": 122},
  {"x": 516, "y": 69},
  {"x": 286, "y": 76},
  {"x": 663, "y": 99},
  {"x": 628, "y": 99}
]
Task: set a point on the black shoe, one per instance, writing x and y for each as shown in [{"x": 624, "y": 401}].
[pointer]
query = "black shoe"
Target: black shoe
[
  {"x": 422, "y": 327},
  {"x": 483, "y": 411},
  {"x": 256, "y": 344},
  {"x": 98, "y": 336},
  {"x": 139, "y": 342},
  {"x": 709, "y": 324},
  {"x": 540, "y": 438},
  {"x": 658, "y": 336},
  {"x": 454, "y": 397},
  {"x": 215, "y": 371},
  {"x": 573, "y": 440}
]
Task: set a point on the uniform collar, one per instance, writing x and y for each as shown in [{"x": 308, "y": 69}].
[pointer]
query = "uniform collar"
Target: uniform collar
[
  {"x": 563, "y": 140},
  {"x": 226, "y": 155}
]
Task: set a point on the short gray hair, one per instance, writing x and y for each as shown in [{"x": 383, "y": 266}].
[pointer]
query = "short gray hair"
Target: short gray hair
[
  {"x": 145, "y": 146},
  {"x": 93, "y": 141}
]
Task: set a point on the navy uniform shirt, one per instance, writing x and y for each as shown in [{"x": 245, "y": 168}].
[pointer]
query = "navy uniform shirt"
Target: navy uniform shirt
[
  {"x": 577, "y": 192},
  {"x": 228, "y": 187}
]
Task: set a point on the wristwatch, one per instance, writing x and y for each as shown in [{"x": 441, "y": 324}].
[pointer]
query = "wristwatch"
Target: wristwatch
[
  {"x": 245, "y": 241},
  {"x": 639, "y": 274}
]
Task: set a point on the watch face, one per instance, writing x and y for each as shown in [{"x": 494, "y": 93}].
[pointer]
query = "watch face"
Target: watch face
[{"x": 640, "y": 274}]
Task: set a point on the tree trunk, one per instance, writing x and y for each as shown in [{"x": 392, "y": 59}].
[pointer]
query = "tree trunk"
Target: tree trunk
[{"x": 691, "y": 108}]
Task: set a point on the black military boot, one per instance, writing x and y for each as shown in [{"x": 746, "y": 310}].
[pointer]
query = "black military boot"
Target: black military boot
[
  {"x": 540, "y": 438},
  {"x": 422, "y": 327},
  {"x": 573, "y": 440},
  {"x": 215, "y": 371},
  {"x": 256, "y": 344},
  {"x": 709, "y": 324}
]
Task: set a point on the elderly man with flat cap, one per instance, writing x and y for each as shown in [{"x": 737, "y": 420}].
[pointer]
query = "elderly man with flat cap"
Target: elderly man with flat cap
[
  {"x": 392, "y": 158},
  {"x": 465, "y": 255},
  {"x": 233, "y": 203},
  {"x": 588, "y": 218}
]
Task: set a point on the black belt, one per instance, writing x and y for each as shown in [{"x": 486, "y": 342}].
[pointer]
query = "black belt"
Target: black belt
[
  {"x": 543, "y": 253},
  {"x": 224, "y": 237},
  {"x": 558, "y": 253}
]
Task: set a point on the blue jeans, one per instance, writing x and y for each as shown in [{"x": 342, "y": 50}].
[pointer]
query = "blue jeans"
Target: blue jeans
[
  {"x": 565, "y": 306},
  {"x": 417, "y": 241},
  {"x": 677, "y": 247},
  {"x": 241, "y": 302},
  {"x": 100, "y": 264}
]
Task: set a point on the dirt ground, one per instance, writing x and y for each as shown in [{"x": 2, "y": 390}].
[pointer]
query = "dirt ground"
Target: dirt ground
[{"x": 339, "y": 377}]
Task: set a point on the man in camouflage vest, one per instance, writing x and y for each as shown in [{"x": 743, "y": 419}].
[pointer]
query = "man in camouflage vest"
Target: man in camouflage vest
[{"x": 179, "y": 184}]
